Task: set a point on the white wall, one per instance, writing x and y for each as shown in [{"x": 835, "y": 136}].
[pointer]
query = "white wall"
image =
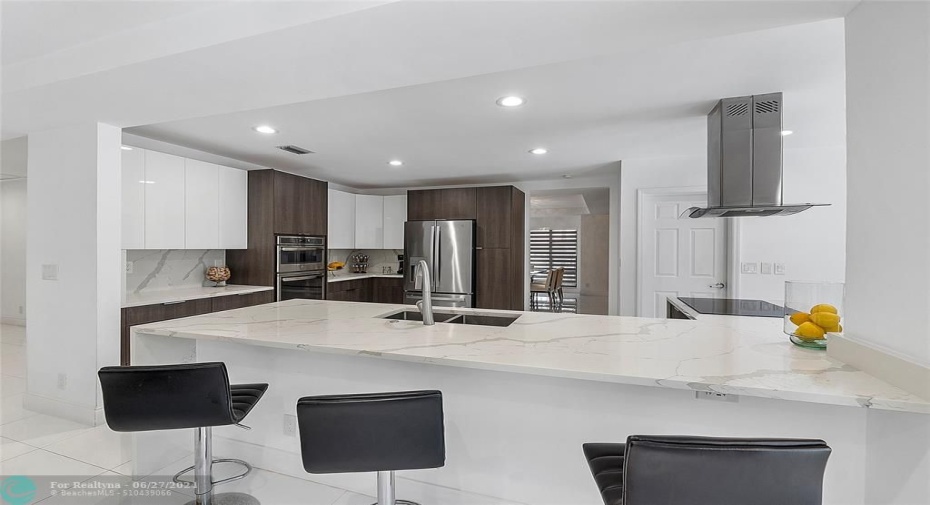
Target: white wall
[
  {"x": 13, "y": 231},
  {"x": 73, "y": 222},
  {"x": 888, "y": 124},
  {"x": 811, "y": 244}
]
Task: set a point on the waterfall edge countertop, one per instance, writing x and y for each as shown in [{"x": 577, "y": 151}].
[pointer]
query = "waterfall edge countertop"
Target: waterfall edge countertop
[
  {"x": 677, "y": 354},
  {"x": 158, "y": 296}
]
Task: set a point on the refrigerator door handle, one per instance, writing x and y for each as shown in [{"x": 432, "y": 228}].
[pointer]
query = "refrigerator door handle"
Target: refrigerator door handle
[{"x": 437, "y": 257}]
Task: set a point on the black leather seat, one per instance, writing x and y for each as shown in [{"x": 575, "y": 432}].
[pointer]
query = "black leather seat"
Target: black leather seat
[
  {"x": 377, "y": 432},
  {"x": 678, "y": 470},
  {"x": 169, "y": 397}
]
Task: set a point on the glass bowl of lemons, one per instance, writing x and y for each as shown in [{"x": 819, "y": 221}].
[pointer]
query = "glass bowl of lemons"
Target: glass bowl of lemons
[{"x": 813, "y": 310}]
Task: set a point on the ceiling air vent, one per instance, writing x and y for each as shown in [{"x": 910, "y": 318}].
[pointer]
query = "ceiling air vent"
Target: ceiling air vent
[{"x": 295, "y": 150}]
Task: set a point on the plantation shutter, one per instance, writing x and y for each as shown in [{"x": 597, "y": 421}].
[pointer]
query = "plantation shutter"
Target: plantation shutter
[{"x": 553, "y": 249}]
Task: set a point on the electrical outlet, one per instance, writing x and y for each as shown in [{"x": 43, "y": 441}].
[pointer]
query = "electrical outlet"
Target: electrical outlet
[
  {"x": 715, "y": 396},
  {"x": 290, "y": 425},
  {"x": 50, "y": 272},
  {"x": 766, "y": 268},
  {"x": 62, "y": 381},
  {"x": 780, "y": 269},
  {"x": 128, "y": 267},
  {"x": 749, "y": 268}
]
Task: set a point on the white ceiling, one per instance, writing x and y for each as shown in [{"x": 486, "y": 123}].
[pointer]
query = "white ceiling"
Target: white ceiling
[
  {"x": 360, "y": 82},
  {"x": 589, "y": 113}
]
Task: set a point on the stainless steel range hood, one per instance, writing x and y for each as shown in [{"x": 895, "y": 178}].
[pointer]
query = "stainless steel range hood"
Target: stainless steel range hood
[{"x": 744, "y": 159}]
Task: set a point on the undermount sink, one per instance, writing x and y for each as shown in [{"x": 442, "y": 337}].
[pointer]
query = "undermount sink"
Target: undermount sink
[
  {"x": 446, "y": 317},
  {"x": 413, "y": 315}
]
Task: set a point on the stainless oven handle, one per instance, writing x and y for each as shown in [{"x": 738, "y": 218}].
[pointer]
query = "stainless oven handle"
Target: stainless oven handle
[
  {"x": 284, "y": 278},
  {"x": 295, "y": 249}
]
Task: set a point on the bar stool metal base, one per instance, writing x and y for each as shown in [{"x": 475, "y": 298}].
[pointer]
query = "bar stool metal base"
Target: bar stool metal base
[
  {"x": 203, "y": 474},
  {"x": 386, "y": 491}
]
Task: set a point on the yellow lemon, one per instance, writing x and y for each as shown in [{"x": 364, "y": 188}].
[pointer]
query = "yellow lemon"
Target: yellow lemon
[
  {"x": 825, "y": 319},
  {"x": 809, "y": 331},
  {"x": 823, "y": 307},
  {"x": 835, "y": 329},
  {"x": 800, "y": 318}
]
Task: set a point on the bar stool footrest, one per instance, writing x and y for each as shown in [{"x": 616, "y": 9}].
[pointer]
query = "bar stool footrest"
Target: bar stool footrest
[
  {"x": 229, "y": 499},
  {"x": 248, "y": 469}
]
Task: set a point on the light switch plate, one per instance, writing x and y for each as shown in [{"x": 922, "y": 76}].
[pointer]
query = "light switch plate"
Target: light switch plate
[
  {"x": 766, "y": 268},
  {"x": 50, "y": 272},
  {"x": 749, "y": 268},
  {"x": 780, "y": 269}
]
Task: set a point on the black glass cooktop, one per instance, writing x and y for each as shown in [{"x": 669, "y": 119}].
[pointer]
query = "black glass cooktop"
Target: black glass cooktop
[{"x": 732, "y": 307}]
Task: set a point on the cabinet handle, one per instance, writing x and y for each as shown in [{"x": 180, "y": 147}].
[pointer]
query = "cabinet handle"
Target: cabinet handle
[{"x": 173, "y": 303}]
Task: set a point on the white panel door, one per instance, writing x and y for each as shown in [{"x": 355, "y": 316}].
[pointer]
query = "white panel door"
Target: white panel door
[
  {"x": 341, "y": 216},
  {"x": 133, "y": 199},
  {"x": 164, "y": 201},
  {"x": 679, "y": 257},
  {"x": 369, "y": 222},
  {"x": 395, "y": 215},
  {"x": 201, "y": 205},
  {"x": 233, "y": 208}
]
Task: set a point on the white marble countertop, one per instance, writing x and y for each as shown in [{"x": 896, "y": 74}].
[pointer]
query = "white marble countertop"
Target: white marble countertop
[
  {"x": 157, "y": 296},
  {"x": 690, "y": 355},
  {"x": 347, "y": 276}
]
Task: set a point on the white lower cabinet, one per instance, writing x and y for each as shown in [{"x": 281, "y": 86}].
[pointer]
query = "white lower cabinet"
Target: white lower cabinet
[
  {"x": 369, "y": 222},
  {"x": 164, "y": 201},
  {"x": 170, "y": 202}
]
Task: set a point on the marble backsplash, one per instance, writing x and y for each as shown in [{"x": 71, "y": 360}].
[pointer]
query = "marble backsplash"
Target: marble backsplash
[
  {"x": 377, "y": 258},
  {"x": 174, "y": 268}
]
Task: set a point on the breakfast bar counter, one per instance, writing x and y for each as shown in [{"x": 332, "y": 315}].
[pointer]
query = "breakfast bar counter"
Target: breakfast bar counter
[{"x": 520, "y": 400}]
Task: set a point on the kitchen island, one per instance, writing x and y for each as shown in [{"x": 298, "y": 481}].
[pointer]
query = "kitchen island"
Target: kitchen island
[{"x": 520, "y": 400}]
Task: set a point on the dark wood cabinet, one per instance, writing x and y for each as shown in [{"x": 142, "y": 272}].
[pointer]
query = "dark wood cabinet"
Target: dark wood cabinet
[
  {"x": 143, "y": 314},
  {"x": 279, "y": 203},
  {"x": 372, "y": 290},
  {"x": 453, "y": 203},
  {"x": 493, "y": 290},
  {"x": 387, "y": 290},
  {"x": 495, "y": 217}
]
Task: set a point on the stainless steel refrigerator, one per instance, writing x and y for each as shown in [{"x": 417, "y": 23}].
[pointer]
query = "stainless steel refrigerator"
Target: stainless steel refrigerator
[{"x": 448, "y": 247}]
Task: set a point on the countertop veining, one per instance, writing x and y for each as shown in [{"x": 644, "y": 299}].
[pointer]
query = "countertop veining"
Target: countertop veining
[{"x": 738, "y": 358}]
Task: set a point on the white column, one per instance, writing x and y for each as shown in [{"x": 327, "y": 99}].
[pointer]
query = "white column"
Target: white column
[
  {"x": 72, "y": 268},
  {"x": 887, "y": 309}
]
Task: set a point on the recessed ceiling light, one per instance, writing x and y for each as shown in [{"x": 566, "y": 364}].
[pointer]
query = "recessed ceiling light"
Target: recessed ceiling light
[
  {"x": 395, "y": 163},
  {"x": 125, "y": 148},
  {"x": 786, "y": 133},
  {"x": 539, "y": 150},
  {"x": 265, "y": 129},
  {"x": 510, "y": 101}
]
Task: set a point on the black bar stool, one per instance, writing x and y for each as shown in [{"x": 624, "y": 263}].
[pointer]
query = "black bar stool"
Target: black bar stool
[
  {"x": 170, "y": 397},
  {"x": 377, "y": 432},
  {"x": 673, "y": 470}
]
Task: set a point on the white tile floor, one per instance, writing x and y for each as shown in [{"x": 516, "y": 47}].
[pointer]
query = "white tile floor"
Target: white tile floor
[{"x": 38, "y": 444}]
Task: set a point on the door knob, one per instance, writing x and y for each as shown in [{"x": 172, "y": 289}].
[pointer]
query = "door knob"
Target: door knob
[{"x": 719, "y": 285}]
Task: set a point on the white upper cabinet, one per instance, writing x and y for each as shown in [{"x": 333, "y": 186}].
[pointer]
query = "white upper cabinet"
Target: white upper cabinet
[
  {"x": 369, "y": 222},
  {"x": 395, "y": 215},
  {"x": 171, "y": 202},
  {"x": 133, "y": 199},
  {"x": 233, "y": 208},
  {"x": 201, "y": 205},
  {"x": 341, "y": 224},
  {"x": 164, "y": 201}
]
